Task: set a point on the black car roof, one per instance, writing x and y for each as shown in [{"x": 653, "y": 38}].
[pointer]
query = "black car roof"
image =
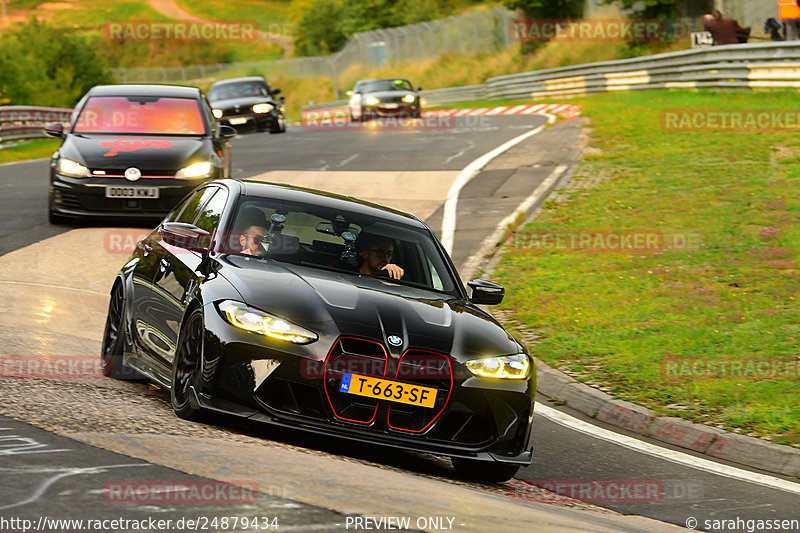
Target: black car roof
[
  {"x": 247, "y": 79},
  {"x": 174, "y": 91},
  {"x": 328, "y": 200}
]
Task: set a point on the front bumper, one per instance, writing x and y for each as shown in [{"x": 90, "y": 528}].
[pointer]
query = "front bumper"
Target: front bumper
[
  {"x": 279, "y": 383},
  {"x": 251, "y": 121},
  {"x": 85, "y": 197},
  {"x": 402, "y": 110}
]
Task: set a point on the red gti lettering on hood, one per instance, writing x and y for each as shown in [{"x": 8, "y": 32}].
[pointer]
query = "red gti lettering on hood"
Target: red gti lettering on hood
[{"x": 131, "y": 145}]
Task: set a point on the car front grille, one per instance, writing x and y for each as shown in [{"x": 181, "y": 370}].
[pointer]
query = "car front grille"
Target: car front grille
[{"x": 370, "y": 358}]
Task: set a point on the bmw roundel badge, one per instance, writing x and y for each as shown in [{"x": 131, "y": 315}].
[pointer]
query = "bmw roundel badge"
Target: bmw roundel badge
[{"x": 394, "y": 340}]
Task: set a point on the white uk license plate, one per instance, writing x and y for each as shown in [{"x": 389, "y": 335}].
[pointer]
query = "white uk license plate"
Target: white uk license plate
[
  {"x": 391, "y": 106},
  {"x": 131, "y": 192},
  {"x": 238, "y": 120}
]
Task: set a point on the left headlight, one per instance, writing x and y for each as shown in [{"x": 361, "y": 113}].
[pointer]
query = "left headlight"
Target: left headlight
[
  {"x": 262, "y": 108},
  {"x": 68, "y": 167},
  {"x": 217, "y": 113},
  {"x": 258, "y": 321},
  {"x": 409, "y": 98},
  {"x": 506, "y": 367},
  {"x": 203, "y": 169}
]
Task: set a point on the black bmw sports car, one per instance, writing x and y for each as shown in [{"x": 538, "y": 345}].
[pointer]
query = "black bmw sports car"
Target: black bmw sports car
[
  {"x": 321, "y": 312},
  {"x": 389, "y": 97},
  {"x": 248, "y": 103},
  {"x": 134, "y": 151}
]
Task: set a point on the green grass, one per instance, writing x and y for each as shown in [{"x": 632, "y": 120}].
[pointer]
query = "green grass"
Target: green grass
[
  {"x": 265, "y": 11},
  {"x": 620, "y": 319},
  {"x": 25, "y": 150}
]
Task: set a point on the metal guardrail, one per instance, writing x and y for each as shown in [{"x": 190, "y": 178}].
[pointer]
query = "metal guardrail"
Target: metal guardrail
[
  {"x": 26, "y": 122},
  {"x": 736, "y": 66}
]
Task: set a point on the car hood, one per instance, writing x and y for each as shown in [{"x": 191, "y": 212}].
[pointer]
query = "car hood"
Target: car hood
[
  {"x": 243, "y": 103},
  {"x": 339, "y": 304},
  {"x": 140, "y": 151}
]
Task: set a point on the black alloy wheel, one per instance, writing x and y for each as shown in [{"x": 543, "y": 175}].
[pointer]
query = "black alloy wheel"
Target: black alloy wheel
[{"x": 186, "y": 367}]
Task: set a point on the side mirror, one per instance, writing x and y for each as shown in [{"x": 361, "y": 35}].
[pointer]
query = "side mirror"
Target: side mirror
[
  {"x": 486, "y": 292},
  {"x": 349, "y": 93},
  {"x": 419, "y": 89},
  {"x": 186, "y": 236},
  {"x": 226, "y": 132},
  {"x": 55, "y": 129},
  {"x": 276, "y": 91}
]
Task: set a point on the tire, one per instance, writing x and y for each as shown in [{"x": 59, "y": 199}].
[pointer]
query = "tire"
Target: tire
[
  {"x": 115, "y": 339},
  {"x": 483, "y": 471},
  {"x": 280, "y": 126},
  {"x": 188, "y": 356}
]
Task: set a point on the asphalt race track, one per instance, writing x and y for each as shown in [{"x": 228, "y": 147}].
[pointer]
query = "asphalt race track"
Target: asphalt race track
[{"x": 67, "y": 445}]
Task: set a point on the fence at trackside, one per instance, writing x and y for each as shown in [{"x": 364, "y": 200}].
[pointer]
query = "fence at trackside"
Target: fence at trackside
[
  {"x": 736, "y": 66},
  {"x": 469, "y": 33},
  {"x": 26, "y": 122}
]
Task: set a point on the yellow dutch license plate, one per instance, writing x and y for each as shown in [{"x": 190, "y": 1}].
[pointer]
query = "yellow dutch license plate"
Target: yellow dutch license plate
[{"x": 385, "y": 389}]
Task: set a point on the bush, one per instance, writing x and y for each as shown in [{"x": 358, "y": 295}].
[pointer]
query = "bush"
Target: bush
[{"x": 48, "y": 66}]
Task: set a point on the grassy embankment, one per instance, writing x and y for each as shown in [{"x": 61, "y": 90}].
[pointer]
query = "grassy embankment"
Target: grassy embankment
[{"x": 723, "y": 290}]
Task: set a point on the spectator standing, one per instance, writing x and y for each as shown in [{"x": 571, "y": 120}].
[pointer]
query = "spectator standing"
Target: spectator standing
[
  {"x": 789, "y": 12},
  {"x": 722, "y": 30}
]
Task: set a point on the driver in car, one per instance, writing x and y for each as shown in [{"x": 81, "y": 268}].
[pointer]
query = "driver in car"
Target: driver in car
[
  {"x": 253, "y": 229},
  {"x": 377, "y": 254}
]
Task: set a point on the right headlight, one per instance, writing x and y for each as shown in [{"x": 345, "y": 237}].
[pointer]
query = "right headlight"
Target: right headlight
[
  {"x": 505, "y": 367},
  {"x": 263, "y": 323},
  {"x": 371, "y": 100},
  {"x": 68, "y": 167}
]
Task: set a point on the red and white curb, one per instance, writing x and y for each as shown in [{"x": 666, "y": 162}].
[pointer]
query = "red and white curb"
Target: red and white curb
[{"x": 562, "y": 110}]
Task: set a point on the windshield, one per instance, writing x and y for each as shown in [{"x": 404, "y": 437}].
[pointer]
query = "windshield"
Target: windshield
[
  {"x": 237, "y": 90},
  {"x": 387, "y": 85},
  {"x": 141, "y": 114},
  {"x": 318, "y": 237}
]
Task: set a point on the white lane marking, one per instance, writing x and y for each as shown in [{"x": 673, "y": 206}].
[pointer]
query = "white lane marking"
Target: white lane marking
[
  {"x": 665, "y": 453},
  {"x": 23, "y": 162},
  {"x": 53, "y": 287},
  {"x": 459, "y": 154},
  {"x": 344, "y": 162},
  {"x": 469, "y": 172}
]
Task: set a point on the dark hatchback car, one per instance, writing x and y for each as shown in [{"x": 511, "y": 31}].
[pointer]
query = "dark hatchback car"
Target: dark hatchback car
[
  {"x": 134, "y": 151},
  {"x": 384, "y": 98},
  {"x": 247, "y": 104},
  {"x": 252, "y": 299}
]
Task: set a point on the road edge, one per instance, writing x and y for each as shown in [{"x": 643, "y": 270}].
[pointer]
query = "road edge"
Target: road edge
[{"x": 562, "y": 389}]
